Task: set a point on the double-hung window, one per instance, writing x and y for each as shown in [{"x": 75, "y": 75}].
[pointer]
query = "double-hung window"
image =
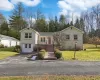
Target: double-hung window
[
  {"x": 67, "y": 37},
  {"x": 27, "y": 45},
  {"x": 75, "y": 37},
  {"x": 42, "y": 39},
  {"x": 28, "y": 35}
]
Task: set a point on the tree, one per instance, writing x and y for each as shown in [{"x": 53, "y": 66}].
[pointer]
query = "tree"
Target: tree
[
  {"x": 95, "y": 41},
  {"x": 62, "y": 21},
  {"x": 4, "y": 29},
  {"x": 96, "y": 12},
  {"x": 40, "y": 24},
  {"x": 2, "y": 19},
  {"x": 77, "y": 23},
  {"x": 16, "y": 20},
  {"x": 29, "y": 16},
  {"x": 82, "y": 25},
  {"x": 59, "y": 39},
  {"x": 51, "y": 25},
  {"x": 71, "y": 23},
  {"x": 56, "y": 24}
]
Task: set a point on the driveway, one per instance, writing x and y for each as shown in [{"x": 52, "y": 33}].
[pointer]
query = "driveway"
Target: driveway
[{"x": 19, "y": 66}]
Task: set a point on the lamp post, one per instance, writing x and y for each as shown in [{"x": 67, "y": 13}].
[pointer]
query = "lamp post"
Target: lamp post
[{"x": 75, "y": 51}]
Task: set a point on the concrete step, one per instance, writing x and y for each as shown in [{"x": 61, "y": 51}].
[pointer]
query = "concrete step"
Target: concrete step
[{"x": 50, "y": 56}]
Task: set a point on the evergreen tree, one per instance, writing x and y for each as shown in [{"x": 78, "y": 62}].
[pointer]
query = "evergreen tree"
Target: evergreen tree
[
  {"x": 41, "y": 24},
  {"x": 77, "y": 23},
  {"x": 16, "y": 20},
  {"x": 51, "y": 25},
  {"x": 56, "y": 24},
  {"x": 82, "y": 25},
  {"x": 62, "y": 21},
  {"x": 4, "y": 29}
]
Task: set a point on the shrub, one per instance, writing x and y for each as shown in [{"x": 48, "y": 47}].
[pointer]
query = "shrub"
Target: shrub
[
  {"x": 42, "y": 50},
  {"x": 57, "y": 53},
  {"x": 1, "y": 46},
  {"x": 41, "y": 54},
  {"x": 17, "y": 48}
]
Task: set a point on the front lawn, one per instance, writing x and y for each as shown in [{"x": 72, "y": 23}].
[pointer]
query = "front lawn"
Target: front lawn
[
  {"x": 54, "y": 77},
  {"x": 5, "y": 54},
  {"x": 91, "y": 53}
]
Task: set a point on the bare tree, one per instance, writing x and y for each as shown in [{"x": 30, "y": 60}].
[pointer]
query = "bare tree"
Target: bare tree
[
  {"x": 29, "y": 16},
  {"x": 96, "y": 12},
  {"x": 59, "y": 38}
]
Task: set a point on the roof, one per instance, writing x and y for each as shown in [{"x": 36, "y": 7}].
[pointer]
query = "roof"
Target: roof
[
  {"x": 46, "y": 33},
  {"x": 28, "y": 29},
  {"x": 72, "y": 27},
  {"x": 51, "y": 33},
  {"x": 4, "y": 37}
]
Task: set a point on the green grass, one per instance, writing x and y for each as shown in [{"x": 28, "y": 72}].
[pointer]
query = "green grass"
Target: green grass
[
  {"x": 91, "y": 54},
  {"x": 5, "y": 54},
  {"x": 52, "y": 77}
]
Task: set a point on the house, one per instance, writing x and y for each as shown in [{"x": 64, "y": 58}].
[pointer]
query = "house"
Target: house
[
  {"x": 8, "y": 41},
  {"x": 30, "y": 38}
]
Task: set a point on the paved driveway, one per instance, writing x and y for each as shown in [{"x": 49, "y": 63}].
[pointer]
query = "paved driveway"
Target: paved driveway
[{"x": 19, "y": 66}]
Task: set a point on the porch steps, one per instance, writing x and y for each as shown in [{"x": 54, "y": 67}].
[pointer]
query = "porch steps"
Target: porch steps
[{"x": 50, "y": 56}]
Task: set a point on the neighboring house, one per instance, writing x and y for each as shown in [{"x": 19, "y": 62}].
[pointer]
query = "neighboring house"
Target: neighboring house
[
  {"x": 30, "y": 38},
  {"x": 8, "y": 41}
]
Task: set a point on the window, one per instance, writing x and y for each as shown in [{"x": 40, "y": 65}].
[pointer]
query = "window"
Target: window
[
  {"x": 42, "y": 39},
  {"x": 29, "y": 45},
  {"x": 75, "y": 37},
  {"x": 25, "y": 45},
  {"x": 67, "y": 37},
  {"x": 28, "y": 35}
]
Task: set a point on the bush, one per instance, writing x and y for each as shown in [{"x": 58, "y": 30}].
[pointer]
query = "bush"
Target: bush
[
  {"x": 17, "y": 48},
  {"x": 41, "y": 54},
  {"x": 1, "y": 46},
  {"x": 57, "y": 53}
]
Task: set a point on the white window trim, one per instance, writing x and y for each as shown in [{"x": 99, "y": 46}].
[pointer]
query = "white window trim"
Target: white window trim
[
  {"x": 69, "y": 36},
  {"x": 74, "y": 37},
  {"x": 29, "y": 34},
  {"x": 28, "y": 46}
]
